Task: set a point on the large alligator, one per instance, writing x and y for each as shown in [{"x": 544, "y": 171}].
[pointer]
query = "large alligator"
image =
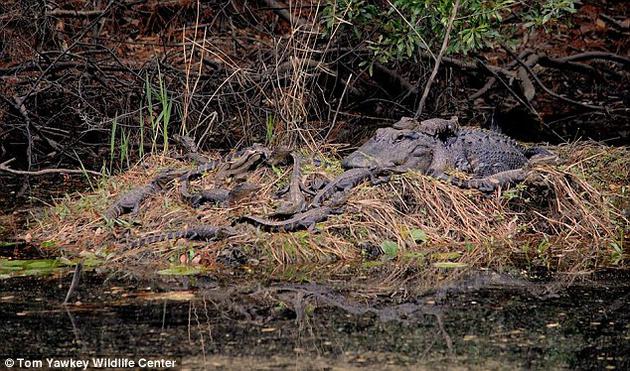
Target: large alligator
[{"x": 492, "y": 159}]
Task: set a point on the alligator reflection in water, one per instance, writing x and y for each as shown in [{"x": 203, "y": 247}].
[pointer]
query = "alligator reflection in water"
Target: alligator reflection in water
[{"x": 511, "y": 325}]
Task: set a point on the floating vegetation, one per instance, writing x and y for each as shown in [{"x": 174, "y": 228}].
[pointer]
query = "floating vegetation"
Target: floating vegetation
[{"x": 37, "y": 267}]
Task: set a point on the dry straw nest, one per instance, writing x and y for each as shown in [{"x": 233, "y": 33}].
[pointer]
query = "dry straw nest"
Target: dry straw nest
[{"x": 567, "y": 217}]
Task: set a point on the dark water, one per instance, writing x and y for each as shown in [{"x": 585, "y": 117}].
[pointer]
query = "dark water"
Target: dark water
[{"x": 211, "y": 323}]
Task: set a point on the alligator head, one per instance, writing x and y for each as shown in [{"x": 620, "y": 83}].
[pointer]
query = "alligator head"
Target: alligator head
[{"x": 391, "y": 148}]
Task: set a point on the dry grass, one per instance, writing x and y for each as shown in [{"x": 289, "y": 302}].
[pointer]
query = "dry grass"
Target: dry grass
[{"x": 565, "y": 217}]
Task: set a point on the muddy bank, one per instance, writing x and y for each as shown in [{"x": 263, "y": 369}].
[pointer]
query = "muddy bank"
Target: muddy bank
[{"x": 488, "y": 321}]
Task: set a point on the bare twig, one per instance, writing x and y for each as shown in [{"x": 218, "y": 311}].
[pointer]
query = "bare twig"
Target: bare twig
[
  {"x": 546, "y": 89},
  {"x": 550, "y": 62},
  {"x": 4, "y": 167},
  {"x": 332, "y": 125},
  {"x": 75, "y": 282},
  {"x": 77, "y": 40},
  {"x": 19, "y": 104},
  {"x": 436, "y": 67},
  {"x": 492, "y": 80},
  {"x": 487, "y": 86},
  {"x": 507, "y": 86}
]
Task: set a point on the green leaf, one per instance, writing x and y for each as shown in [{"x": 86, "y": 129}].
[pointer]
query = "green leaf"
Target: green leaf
[
  {"x": 390, "y": 248},
  {"x": 418, "y": 235}
]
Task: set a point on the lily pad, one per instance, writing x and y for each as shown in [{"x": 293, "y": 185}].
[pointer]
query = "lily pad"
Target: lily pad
[{"x": 37, "y": 267}]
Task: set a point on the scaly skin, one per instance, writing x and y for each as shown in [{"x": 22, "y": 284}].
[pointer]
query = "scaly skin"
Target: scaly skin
[
  {"x": 243, "y": 160},
  {"x": 296, "y": 202},
  {"x": 433, "y": 127},
  {"x": 400, "y": 150},
  {"x": 221, "y": 196},
  {"x": 130, "y": 201},
  {"x": 304, "y": 220},
  {"x": 192, "y": 151},
  {"x": 344, "y": 182},
  {"x": 199, "y": 233},
  {"x": 494, "y": 160}
]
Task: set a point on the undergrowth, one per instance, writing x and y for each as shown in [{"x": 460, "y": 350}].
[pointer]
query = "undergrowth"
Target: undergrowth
[{"x": 565, "y": 218}]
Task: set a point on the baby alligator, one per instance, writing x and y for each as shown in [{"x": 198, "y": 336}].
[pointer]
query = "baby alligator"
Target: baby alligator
[
  {"x": 198, "y": 233},
  {"x": 130, "y": 201},
  {"x": 344, "y": 182},
  {"x": 295, "y": 202},
  {"x": 305, "y": 220}
]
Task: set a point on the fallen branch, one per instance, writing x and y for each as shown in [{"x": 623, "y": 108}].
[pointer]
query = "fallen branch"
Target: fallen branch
[
  {"x": 74, "y": 13},
  {"x": 4, "y": 167},
  {"x": 529, "y": 91},
  {"x": 546, "y": 89},
  {"x": 618, "y": 25},
  {"x": 401, "y": 81},
  {"x": 492, "y": 80},
  {"x": 484, "y": 89},
  {"x": 597, "y": 55},
  {"x": 547, "y": 61}
]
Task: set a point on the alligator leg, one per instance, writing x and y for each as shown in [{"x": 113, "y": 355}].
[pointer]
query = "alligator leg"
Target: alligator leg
[
  {"x": 538, "y": 155},
  {"x": 489, "y": 183}
]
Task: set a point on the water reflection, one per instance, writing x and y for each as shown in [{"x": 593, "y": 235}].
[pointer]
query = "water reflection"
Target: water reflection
[{"x": 206, "y": 322}]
